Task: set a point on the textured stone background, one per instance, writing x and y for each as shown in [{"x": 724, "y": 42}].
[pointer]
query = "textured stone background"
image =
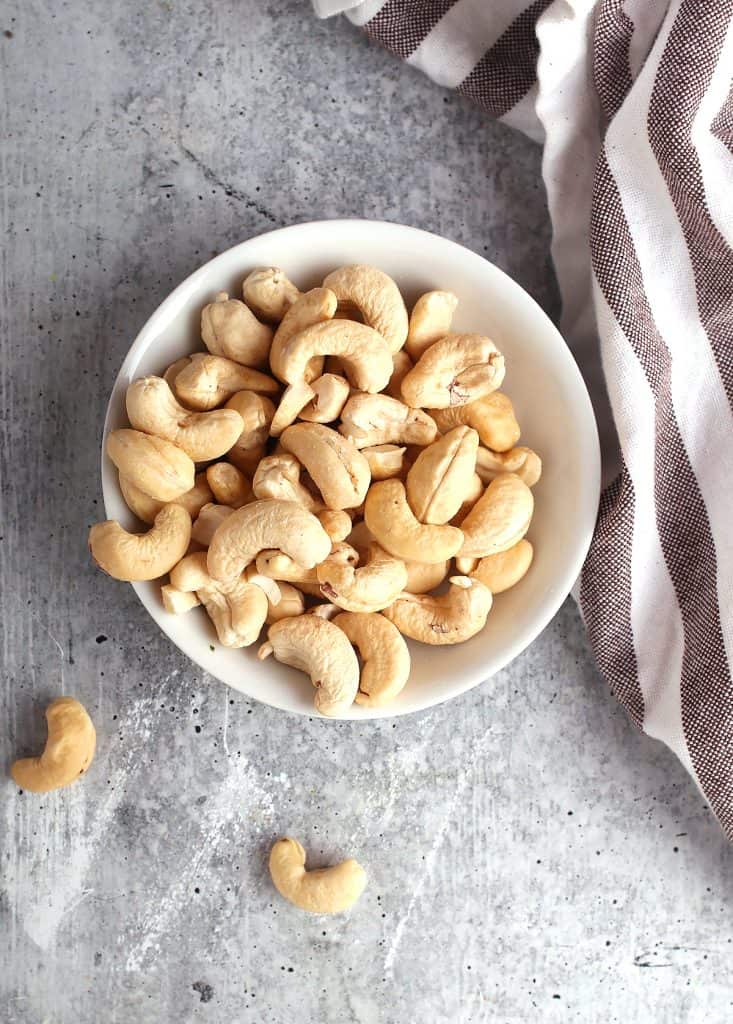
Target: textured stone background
[{"x": 531, "y": 857}]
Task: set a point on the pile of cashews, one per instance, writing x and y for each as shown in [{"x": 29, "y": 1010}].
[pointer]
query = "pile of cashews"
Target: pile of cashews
[{"x": 327, "y": 498}]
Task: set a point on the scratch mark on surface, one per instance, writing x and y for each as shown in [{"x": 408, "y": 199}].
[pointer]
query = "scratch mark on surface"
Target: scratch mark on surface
[
  {"x": 226, "y": 723},
  {"x": 211, "y": 176}
]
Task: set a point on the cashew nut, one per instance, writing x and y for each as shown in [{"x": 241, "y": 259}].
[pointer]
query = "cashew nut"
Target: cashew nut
[
  {"x": 177, "y": 602},
  {"x": 269, "y": 293},
  {"x": 208, "y": 381},
  {"x": 471, "y": 496},
  {"x": 501, "y": 571},
  {"x": 441, "y": 476},
  {"x": 492, "y": 416},
  {"x": 330, "y": 393},
  {"x": 369, "y": 420},
  {"x": 157, "y": 467},
  {"x": 291, "y": 603},
  {"x": 172, "y": 372},
  {"x": 364, "y": 353},
  {"x": 338, "y": 469},
  {"x": 270, "y": 587},
  {"x": 465, "y": 566},
  {"x": 68, "y": 752},
  {"x": 450, "y": 618},
  {"x": 384, "y": 655},
  {"x": 278, "y": 476},
  {"x": 229, "y": 328},
  {"x": 320, "y": 649},
  {"x": 499, "y": 519},
  {"x": 385, "y": 460},
  {"x": 237, "y": 608},
  {"x": 208, "y": 522},
  {"x": 257, "y": 413},
  {"x": 422, "y": 577},
  {"x": 325, "y": 891},
  {"x": 377, "y": 298},
  {"x": 368, "y": 589},
  {"x": 229, "y": 485},
  {"x": 391, "y": 520},
  {"x": 523, "y": 462},
  {"x": 454, "y": 371},
  {"x": 295, "y": 397},
  {"x": 142, "y": 556},
  {"x": 279, "y": 566},
  {"x": 314, "y": 307},
  {"x": 401, "y": 366},
  {"x": 147, "y": 508},
  {"x": 430, "y": 321},
  {"x": 336, "y": 523},
  {"x": 325, "y": 611},
  {"x": 266, "y": 524}
]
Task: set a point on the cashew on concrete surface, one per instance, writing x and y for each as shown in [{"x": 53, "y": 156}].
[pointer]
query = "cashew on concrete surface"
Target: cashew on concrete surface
[
  {"x": 68, "y": 752},
  {"x": 322, "y": 891}
]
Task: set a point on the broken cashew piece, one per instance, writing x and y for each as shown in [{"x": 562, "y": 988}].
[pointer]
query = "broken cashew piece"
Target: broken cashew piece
[
  {"x": 68, "y": 753},
  {"x": 454, "y": 371},
  {"x": 324, "y": 891},
  {"x": 157, "y": 467},
  {"x": 430, "y": 321},
  {"x": 177, "y": 602},
  {"x": 278, "y": 476},
  {"x": 208, "y": 381},
  {"x": 377, "y": 298},
  {"x": 441, "y": 475},
  {"x": 492, "y": 416},
  {"x": 366, "y": 589},
  {"x": 229, "y": 328},
  {"x": 501, "y": 571},
  {"x": 499, "y": 519},
  {"x": 147, "y": 508},
  {"x": 208, "y": 522},
  {"x": 370, "y": 420},
  {"x": 237, "y": 608},
  {"x": 330, "y": 392},
  {"x": 291, "y": 603},
  {"x": 523, "y": 462},
  {"x": 384, "y": 655},
  {"x": 295, "y": 398},
  {"x": 142, "y": 556},
  {"x": 268, "y": 292},
  {"x": 388, "y": 515},
  {"x": 385, "y": 460},
  {"x": 449, "y": 618},
  {"x": 338, "y": 469},
  {"x": 366, "y": 358},
  {"x": 314, "y": 307},
  {"x": 229, "y": 485}
]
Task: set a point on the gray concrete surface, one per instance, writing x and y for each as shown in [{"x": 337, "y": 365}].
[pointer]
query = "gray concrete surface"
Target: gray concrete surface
[{"x": 531, "y": 857}]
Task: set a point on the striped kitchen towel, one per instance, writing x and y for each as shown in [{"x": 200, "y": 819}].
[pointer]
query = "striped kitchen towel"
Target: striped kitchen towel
[{"x": 633, "y": 101}]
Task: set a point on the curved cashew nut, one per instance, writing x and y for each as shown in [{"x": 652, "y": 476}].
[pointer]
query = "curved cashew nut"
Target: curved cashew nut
[
  {"x": 401, "y": 366},
  {"x": 320, "y": 649},
  {"x": 237, "y": 608},
  {"x": 229, "y": 328},
  {"x": 448, "y": 619},
  {"x": 501, "y": 571},
  {"x": 208, "y": 522},
  {"x": 453, "y": 371},
  {"x": 384, "y": 655},
  {"x": 330, "y": 392},
  {"x": 314, "y": 307},
  {"x": 364, "y": 353},
  {"x": 269, "y": 293},
  {"x": 155, "y": 466},
  {"x": 278, "y": 476},
  {"x": 523, "y": 462},
  {"x": 295, "y": 397},
  {"x": 147, "y": 508},
  {"x": 391, "y": 520},
  {"x": 441, "y": 475},
  {"x": 422, "y": 577},
  {"x": 369, "y": 420},
  {"x": 177, "y": 602},
  {"x": 430, "y": 321},
  {"x": 266, "y": 524},
  {"x": 336, "y": 523},
  {"x": 338, "y": 469},
  {"x": 152, "y": 408},
  {"x": 68, "y": 752},
  {"x": 257, "y": 413},
  {"x": 377, "y": 298},
  {"x": 229, "y": 485},
  {"x": 325, "y": 891},
  {"x": 208, "y": 381},
  {"x": 385, "y": 460},
  {"x": 368, "y": 589},
  {"x": 291, "y": 603},
  {"x": 499, "y": 519},
  {"x": 492, "y": 416},
  {"x": 142, "y": 556}
]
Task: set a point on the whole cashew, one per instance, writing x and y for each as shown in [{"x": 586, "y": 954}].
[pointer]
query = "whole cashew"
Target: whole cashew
[
  {"x": 147, "y": 508},
  {"x": 391, "y": 520},
  {"x": 384, "y": 655},
  {"x": 229, "y": 485},
  {"x": 422, "y": 577},
  {"x": 229, "y": 328},
  {"x": 523, "y": 462},
  {"x": 377, "y": 298},
  {"x": 454, "y": 371},
  {"x": 208, "y": 381},
  {"x": 369, "y": 420},
  {"x": 314, "y": 307},
  {"x": 401, "y": 366},
  {"x": 430, "y": 321},
  {"x": 442, "y": 475},
  {"x": 368, "y": 589},
  {"x": 385, "y": 460},
  {"x": 448, "y": 619},
  {"x": 157, "y": 467},
  {"x": 291, "y": 603},
  {"x": 499, "y": 519},
  {"x": 266, "y": 524},
  {"x": 338, "y": 469},
  {"x": 501, "y": 571},
  {"x": 295, "y": 397},
  {"x": 177, "y": 602},
  {"x": 237, "y": 608},
  {"x": 330, "y": 393},
  {"x": 320, "y": 649},
  {"x": 366, "y": 358},
  {"x": 278, "y": 476},
  {"x": 257, "y": 413},
  {"x": 269, "y": 293},
  {"x": 325, "y": 891},
  {"x": 336, "y": 523},
  {"x": 208, "y": 522},
  {"x": 492, "y": 416},
  {"x": 68, "y": 752},
  {"x": 142, "y": 556}
]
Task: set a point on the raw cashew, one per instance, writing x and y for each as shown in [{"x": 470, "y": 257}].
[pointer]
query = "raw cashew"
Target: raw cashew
[
  {"x": 377, "y": 298},
  {"x": 454, "y": 371},
  {"x": 499, "y": 519},
  {"x": 385, "y": 460},
  {"x": 364, "y": 353},
  {"x": 336, "y": 523},
  {"x": 269, "y": 293},
  {"x": 147, "y": 508},
  {"x": 430, "y": 321},
  {"x": 391, "y": 520},
  {"x": 320, "y": 649},
  {"x": 325, "y": 891},
  {"x": 177, "y": 602},
  {"x": 422, "y": 577},
  {"x": 142, "y": 556},
  {"x": 367, "y": 589},
  {"x": 229, "y": 328},
  {"x": 266, "y": 524},
  {"x": 384, "y": 655},
  {"x": 523, "y": 462},
  {"x": 279, "y": 566},
  {"x": 157, "y": 467},
  {"x": 291, "y": 603},
  {"x": 208, "y": 522},
  {"x": 314, "y": 307},
  {"x": 257, "y": 413},
  {"x": 369, "y": 420},
  {"x": 441, "y": 475},
  {"x": 492, "y": 416},
  {"x": 172, "y": 372},
  {"x": 229, "y": 485},
  {"x": 330, "y": 394},
  {"x": 501, "y": 571},
  {"x": 237, "y": 608},
  {"x": 450, "y": 618},
  {"x": 338, "y": 469},
  {"x": 295, "y": 397},
  {"x": 208, "y": 381},
  {"x": 68, "y": 752},
  {"x": 278, "y": 476},
  {"x": 401, "y": 366},
  {"x": 472, "y": 495}
]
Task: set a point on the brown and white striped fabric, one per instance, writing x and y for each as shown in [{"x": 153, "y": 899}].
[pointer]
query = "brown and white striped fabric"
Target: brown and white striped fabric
[{"x": 633, "y": 100}]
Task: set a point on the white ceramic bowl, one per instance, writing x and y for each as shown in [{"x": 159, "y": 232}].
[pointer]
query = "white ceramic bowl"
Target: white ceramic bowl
[{"x": 542, "y": 380}]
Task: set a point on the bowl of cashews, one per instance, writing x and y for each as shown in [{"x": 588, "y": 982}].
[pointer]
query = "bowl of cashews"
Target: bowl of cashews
[{"x": 351, "y": 469}]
